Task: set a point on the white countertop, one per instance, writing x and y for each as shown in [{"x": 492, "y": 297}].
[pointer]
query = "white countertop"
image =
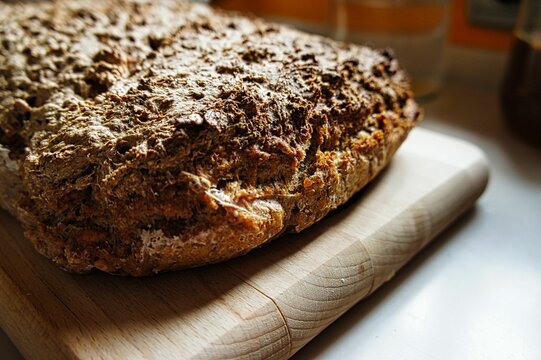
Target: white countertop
[{"x": 475, "y": 292}]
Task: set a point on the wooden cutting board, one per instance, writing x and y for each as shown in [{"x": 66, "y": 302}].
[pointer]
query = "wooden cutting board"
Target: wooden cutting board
[{"x": 267, "y": 304}]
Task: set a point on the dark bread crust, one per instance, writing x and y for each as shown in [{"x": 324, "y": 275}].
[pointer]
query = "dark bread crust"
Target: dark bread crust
[{"x": 159, "y": 136}]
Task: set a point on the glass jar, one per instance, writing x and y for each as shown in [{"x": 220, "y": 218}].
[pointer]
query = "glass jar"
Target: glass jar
[
  {"x": 416, "y": 30},
  {"x": 521, "y": 86}
]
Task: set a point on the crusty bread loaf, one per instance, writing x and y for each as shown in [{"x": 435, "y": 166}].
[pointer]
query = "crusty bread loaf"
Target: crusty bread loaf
[{"x": 144, "y": 136}]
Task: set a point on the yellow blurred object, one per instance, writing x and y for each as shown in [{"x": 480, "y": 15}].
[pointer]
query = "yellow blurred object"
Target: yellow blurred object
[
  {"x": 404, "y": 17},
  {"x": 315, "y": 11},
  {"x": 309, "y": 15},
  {"x": 408, "y": 18}
]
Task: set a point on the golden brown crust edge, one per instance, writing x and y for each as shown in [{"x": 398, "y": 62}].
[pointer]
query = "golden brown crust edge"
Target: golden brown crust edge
[{"x": 226, "y": 241}]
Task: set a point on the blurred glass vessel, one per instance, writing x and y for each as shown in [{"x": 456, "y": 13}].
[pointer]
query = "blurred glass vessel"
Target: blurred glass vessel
[
  {"x": 415, "y": 29},
  {"x": 521, "y": 86}
]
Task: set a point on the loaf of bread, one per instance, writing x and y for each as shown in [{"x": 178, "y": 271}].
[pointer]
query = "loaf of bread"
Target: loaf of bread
[{"x": 143, "y": 136}]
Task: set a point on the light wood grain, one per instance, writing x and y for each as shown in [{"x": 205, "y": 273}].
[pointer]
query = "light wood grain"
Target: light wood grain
[{"x": 267, "y": 304}]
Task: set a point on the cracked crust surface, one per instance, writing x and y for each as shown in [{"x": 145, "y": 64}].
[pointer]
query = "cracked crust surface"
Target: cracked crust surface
[{"x": 158, "y": 135}]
